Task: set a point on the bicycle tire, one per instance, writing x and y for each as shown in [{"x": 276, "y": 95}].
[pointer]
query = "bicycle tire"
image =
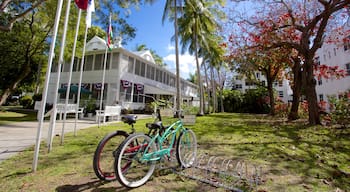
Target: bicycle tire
[
  {"x": 103, "y": 160},
  {"x": 186, "y": 148},
  {"x": 128, "y": 163}
]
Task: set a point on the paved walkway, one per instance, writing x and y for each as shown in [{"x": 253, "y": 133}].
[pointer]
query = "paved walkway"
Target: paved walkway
[{"x": 17, "y": 136}]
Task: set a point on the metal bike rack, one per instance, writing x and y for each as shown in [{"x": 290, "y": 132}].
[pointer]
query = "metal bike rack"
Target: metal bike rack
[{"x": 234, "y": 175}]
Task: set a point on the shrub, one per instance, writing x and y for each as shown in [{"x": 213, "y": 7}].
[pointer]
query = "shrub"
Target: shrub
[
  {"x": 26, "y": 101},
  {"x": 340, "y": 109}
]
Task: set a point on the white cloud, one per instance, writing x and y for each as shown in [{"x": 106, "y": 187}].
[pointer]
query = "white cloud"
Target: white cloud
[
  {"x": 170, "y": 47},
  {"x": 187, "y": 64}
]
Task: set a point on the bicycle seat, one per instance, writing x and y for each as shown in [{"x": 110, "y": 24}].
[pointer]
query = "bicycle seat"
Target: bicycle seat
[{"x": 129, "y": 119}]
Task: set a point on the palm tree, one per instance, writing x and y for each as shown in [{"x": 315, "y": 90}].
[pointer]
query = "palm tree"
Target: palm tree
[
  {"x": 171, "y": 7},
  {"x": 214, "y": 58},
  {"x": 195, "y": 27}
]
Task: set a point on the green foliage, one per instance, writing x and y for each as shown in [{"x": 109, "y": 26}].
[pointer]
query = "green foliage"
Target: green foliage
[
  {"x": 190, "y": 110},
  {"x": 90, "y": 106},
  {"x": 26, "y": 101},
  {"x": 253, "y": 101},
  {"x": 37, "y": 97},
  {"x": 340, "y": 109}
]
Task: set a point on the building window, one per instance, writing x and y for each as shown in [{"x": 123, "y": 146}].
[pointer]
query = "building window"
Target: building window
[
  {"x": 258, "y": 75},
  {"x": 107, "y": 61},
  {"x": 319, "y": 81},
  {"x": 150, "y": 72},
  {"x": 317, "y": 61},
  {"x": 329, "y": 54},
  {"x": 143, "y": 69},
  {"x": 346, "y": 43},
  {"x": 347, "y": 66},
  {"x": 335, "y": 51},
  {"x": 125, "y": 92},
  {"x": 98, "y": 62},
  {"x": 324, "y": 57},
  {"x": 159, "y": 75},
  {"x": 115, "y": 61},
  {"x": 172, "y": 81},
  {"x": 280, "y": 94},
  {"x": 138, "y": 89},
  {"x": 249, "y": 83},
  {"x": 263, "y": 83},
  {"x": 88, "y": 62},
  {"x": 76, "y": 64},
  {"x": 138, "y": 68},
  {"x": 238, "y": 86},
  {"x": 131, "y": 65},
  {"x": 320, "y": 96},
  {"x": 96, "y": 90}
]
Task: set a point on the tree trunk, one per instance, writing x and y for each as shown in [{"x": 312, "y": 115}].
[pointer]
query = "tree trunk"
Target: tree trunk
[
  {"x": 24, "y": 73},
  {"x": 272, "y": 98},
  {"x": 178, "y": 85},
  {"x": 220, "y": 91},
  {"x": 207, "y": 82},
  {"x": 200, "y": 85},
  {"x": 297, "y": 85},
  {"x": 213, "y": 86},
  {"x": 311, "y": 96}
]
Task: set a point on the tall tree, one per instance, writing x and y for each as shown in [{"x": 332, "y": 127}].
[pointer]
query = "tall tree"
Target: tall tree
[
  {"x": 171, "y": 11},
  {"x": 197, "y": 23},
  {"x": 22, "y": 50},
  {"x": 301, "y": 25}
]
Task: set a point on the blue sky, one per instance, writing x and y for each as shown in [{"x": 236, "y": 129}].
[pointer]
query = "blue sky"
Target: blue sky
[{"x": 151, "y": 32}]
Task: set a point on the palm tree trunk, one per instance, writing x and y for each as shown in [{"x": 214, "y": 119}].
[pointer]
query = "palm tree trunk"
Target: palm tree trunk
[
  {"x": 200, "y": 84},
  {"x": 207, "y": 82},
  {"x": 178, "y": 86},
  {"x": 213, "y": 86}
]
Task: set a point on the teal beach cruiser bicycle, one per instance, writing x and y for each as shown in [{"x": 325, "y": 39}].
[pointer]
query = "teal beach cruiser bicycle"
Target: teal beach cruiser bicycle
[{"x": 136, "y": 158}]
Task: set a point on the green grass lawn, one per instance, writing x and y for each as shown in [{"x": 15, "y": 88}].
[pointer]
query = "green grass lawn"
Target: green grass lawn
[
  {"x": 10, "y": 114},
  {"x": 293, "y": 157}
]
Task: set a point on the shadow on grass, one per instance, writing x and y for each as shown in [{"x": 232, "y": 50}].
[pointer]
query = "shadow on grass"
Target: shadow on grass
[
  {"x": 94, "y": 186},
  {"x": 316, "y": 155}
]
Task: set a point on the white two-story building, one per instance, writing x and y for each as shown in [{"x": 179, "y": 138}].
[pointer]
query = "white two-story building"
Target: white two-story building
[{"x": 127, "y": 75}]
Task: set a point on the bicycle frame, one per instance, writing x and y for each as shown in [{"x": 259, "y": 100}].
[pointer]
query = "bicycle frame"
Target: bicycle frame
[{"x": 159, "y": 139}]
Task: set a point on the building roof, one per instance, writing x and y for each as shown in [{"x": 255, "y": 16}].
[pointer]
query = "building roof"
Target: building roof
[{"x": 96, "y": 43}]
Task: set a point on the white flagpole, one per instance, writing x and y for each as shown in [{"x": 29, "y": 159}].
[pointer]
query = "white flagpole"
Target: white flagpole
[
  {"x": 90, "y": 9},
  {"x": 45, "y": 90},
  {"x": 70, "y": 72},
  {"x": 81, "y": 73},
  {"x": 103, "y": 81},
  {"x": 60, "y": 62}
]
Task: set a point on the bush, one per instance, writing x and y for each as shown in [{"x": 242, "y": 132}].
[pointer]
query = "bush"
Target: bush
[
  {"x": 26, "y": 101},
  {"x": 340, "y": 109}
]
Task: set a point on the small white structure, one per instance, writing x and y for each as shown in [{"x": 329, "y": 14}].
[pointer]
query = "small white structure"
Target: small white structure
[{"x": 128, "y": 74}]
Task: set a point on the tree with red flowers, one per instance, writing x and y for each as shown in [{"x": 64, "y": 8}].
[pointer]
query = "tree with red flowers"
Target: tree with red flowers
[{"x": 300, "y": 25}]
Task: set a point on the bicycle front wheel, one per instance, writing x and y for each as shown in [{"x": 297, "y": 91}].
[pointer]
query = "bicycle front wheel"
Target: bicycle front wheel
[
  {"x": 103, "y": 161},
  {"x": 186, "y": 148},
  {"x": 132, "y": 169}
]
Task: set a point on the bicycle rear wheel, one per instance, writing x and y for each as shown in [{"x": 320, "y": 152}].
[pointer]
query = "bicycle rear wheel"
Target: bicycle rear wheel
[
  {"x": 103, "y": 161},
  {"x": 131, "y": 170},
  {"x": 186, "y": 148}
]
